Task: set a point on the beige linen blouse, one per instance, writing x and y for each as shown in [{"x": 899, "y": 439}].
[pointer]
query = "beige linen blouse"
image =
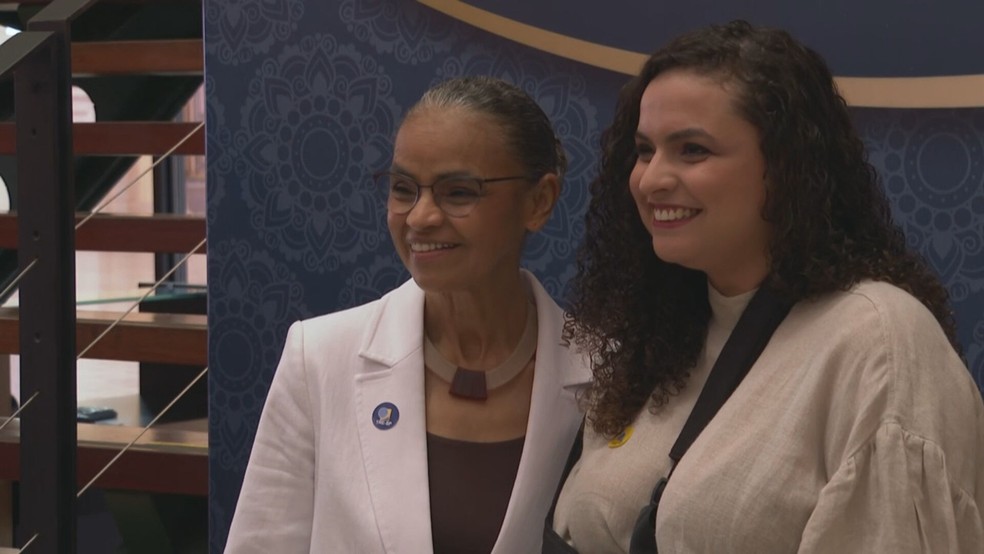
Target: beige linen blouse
[{"x": 859, "y": 429}]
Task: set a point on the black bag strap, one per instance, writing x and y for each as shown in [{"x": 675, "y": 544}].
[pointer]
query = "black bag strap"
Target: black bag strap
[
  {"x": 572, "y": 457},
  {"x": 552, "y": 543},
  {"x": 751, "y": 334}
]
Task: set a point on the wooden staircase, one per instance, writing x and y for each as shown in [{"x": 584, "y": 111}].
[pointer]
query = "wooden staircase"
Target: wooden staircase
[
  {"x": 125, "y": 138},
  {"x": 163, "y": 460},
  {"x": 171, "y": 461},
  {"x": 124, "y": 233},
  {"x": 140, "y": 336}
]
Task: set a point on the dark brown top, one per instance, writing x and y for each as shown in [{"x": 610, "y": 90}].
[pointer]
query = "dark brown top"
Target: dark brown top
[{"x": 470, "y": 486}]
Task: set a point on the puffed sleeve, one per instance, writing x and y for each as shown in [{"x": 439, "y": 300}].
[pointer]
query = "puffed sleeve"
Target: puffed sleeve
[
  {"x": 276, "y": 503},
  {"x": 896, "y": 494}
]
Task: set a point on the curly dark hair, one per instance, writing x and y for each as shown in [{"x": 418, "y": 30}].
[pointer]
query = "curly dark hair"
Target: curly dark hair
[{"x": 645, "y": 320}]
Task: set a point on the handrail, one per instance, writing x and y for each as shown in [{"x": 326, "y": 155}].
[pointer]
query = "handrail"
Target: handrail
[
  {"x": 18, "y": 48},
  {"x": 38, "y": 59},
  {"x": 58, "y": 14}
]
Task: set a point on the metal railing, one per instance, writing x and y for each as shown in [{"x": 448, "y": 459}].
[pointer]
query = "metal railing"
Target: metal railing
[{"x": 38, "y": 60}]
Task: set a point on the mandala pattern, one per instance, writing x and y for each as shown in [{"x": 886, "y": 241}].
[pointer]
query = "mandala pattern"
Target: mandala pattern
[
  {"x": 562, "y": 95},
  {"x": 407, "y": 30},
  {"x": 252, "y": 301},
  {"x": 218, "y": 144},
  {"x": 933, "y": 170},
  {"x": 318, "y": 121},
  {"x": 932, "y": 166},
  {"x": 367, "y": 283},
  {"x": 237, "y": 30}
]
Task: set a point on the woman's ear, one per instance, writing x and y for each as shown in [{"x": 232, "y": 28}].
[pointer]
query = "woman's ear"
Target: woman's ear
[{"x": 542, "y": 199}]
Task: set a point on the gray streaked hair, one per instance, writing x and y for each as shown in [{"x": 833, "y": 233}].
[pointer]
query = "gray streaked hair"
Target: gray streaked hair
[{"x": 528, "y": 131}]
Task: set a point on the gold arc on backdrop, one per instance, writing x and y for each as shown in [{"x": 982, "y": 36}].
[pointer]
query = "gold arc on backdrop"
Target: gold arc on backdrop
[{"x": 953, "y": 91}]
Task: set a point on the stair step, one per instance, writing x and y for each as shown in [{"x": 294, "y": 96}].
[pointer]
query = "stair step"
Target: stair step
[
  {"x": 130, "y": 2},
  {"x": 125, "y": 233},
  {"x": 141, "y": 336},
  {"x": 163, "y": 460},
  {"x": 143, "y": 57},
  {"x": 127, "y": 138}
]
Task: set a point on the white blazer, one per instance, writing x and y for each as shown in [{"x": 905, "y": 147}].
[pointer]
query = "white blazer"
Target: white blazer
[{"x": 322, "y": 477}]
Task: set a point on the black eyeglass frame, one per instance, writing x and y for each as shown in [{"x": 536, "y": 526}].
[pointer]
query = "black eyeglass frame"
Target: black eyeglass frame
[{"x": 378, "y": 176}]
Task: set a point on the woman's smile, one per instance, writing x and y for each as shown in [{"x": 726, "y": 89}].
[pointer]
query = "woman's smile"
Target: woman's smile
[{"x": 669, "y": 217}]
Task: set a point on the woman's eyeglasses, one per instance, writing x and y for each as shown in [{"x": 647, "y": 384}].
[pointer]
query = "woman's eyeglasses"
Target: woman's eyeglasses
[{"x": 455, "y": 196}]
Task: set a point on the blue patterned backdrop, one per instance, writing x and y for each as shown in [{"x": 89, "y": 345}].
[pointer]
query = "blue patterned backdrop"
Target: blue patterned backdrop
[
  {"x": 932, "y": 165},
  {"x": 303, "y": 99}
]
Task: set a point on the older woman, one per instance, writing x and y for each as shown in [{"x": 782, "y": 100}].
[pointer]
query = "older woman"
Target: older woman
[
  {"x": 732, "y": 178},
  {"x": 436, "y": 418}
]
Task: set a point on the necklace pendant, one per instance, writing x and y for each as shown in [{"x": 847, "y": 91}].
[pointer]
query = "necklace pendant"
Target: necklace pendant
[
  {"x": 475, "y": 385},
  {"x": 469, "y": 384}
]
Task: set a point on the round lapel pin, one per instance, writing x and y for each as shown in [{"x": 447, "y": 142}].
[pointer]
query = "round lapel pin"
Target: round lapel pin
[{"x": 385, "y": 416}]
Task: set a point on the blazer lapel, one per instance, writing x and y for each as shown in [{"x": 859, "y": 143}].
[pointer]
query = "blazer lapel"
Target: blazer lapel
[
  {"x": 553, "y": 421},
  {"x": 391, "y": 421}
]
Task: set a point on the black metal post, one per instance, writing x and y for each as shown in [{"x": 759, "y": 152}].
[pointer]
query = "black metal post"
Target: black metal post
[
  {"x": 169, "y": 198},
  {"x": 41, "y": 63},
  {"x": 46, "y": 233}
]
